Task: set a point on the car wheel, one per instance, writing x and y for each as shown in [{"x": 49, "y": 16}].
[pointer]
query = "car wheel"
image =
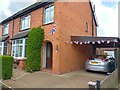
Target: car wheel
[{"x": 109, "y": 68}]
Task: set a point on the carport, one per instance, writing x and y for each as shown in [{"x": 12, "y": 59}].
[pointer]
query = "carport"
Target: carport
[{"x": 98, "y": 42}]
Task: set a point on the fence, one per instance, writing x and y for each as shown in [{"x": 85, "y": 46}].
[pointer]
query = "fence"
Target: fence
[{"x": 111, "y": 81}]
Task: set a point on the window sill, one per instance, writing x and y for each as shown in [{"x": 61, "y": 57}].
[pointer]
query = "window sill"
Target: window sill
[
  {"x": 20, "y": 58},
  {"x": 44, "y": 24},
  {"x": 24, "y": 29},
  {"x": 4, "y": 34}
]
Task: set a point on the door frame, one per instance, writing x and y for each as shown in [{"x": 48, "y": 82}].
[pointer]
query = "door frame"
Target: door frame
[{"x": 44, "y": 60}]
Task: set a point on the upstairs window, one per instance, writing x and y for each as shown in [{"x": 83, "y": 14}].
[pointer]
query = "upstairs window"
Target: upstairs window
[
  {"x": 25, "y": 22},
  {"x": 49, "y": 14},
  {"x": 5, "y": 29}
]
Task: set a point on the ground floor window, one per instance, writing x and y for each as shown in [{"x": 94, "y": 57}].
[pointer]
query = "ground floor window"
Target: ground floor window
[
  {"x": 19, "y": 47},
  {"x": 3, "y": 48}
]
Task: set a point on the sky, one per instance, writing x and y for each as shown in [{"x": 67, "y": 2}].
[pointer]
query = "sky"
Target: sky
[
  {"x": 107, "y": 15},
  {"x": 106, "y": 12}
]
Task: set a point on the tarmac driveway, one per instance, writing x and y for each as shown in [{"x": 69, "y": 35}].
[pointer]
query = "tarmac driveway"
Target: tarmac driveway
[{"x": 77, "y": 79}]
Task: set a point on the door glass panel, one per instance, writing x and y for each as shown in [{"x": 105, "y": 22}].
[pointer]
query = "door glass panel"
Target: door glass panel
[
  {"x": 48, "y": 50},
  {"x": 48, "y": 55}
]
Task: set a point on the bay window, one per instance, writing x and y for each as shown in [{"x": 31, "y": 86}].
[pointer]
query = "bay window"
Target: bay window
[
  {"x": 19, "y": 47},
  {"x": 3, "y": 48}
]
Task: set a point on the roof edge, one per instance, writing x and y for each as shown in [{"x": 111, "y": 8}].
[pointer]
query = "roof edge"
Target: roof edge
[
  {"x": 94, "y": 14},
  {"x": 26, "y": 10}
]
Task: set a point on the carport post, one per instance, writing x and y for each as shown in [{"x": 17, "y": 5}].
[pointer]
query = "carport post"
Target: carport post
[
  {"x": 97, "y": 85},
  {"x": 93, "y": 49}
]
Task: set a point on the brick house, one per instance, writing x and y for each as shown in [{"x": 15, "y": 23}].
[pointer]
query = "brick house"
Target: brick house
[{"x": 58, "y": 54}]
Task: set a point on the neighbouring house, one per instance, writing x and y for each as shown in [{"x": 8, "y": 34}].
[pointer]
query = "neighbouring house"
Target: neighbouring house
[{"x": 67, "y": 19}]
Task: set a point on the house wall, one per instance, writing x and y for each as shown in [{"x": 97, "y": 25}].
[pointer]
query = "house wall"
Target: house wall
[
  {"x": 16, "y": 26},
  {"x": 10, "y": 33},
  {"x": 72, "y": 23},
  {"x": 95, "y": 29},
  {"x": 1, "y": 30},
  {"x": 70, "y": 19},
  {"x": 37, "y": 20}
]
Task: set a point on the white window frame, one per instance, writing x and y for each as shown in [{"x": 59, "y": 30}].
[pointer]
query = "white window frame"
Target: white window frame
[
  {"x": 6, "y": 47},
  {"x": 2, "y": 48},
  {"x": 5, "y": 29},
  {"x": 25, "y": 22},
  {"x": 23, "y": 48},
  {"x": 48, "y": 18}
]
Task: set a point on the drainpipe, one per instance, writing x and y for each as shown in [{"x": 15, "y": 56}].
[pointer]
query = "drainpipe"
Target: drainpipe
[
  {"x": 12, "y": 34},
  {"x": 13, "y": 28},
  {"x": 93, "y": 10},
  {"x": 93, "y": 46}
]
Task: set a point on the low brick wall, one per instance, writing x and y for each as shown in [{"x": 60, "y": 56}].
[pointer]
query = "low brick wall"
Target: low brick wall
[
  {"x": 111, "y": 81},
  {"x": 21, "y": 63}
]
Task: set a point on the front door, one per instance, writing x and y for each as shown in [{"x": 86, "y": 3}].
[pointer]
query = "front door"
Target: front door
[{"x": 49, "y": 55}]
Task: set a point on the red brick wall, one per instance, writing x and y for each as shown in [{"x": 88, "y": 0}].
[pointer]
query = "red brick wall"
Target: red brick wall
[
  {"x": 1, "y": 30},
  {"x": 10, "y": 29},
  {"x": 16, "y": 26},
  {"x": 95, "y": 30},
  {"x": 10, "y": 36},
  {"x": 72, "y": 23},
  {"x": 70, "y": 19},
  {"x": 36, "y": 18}
]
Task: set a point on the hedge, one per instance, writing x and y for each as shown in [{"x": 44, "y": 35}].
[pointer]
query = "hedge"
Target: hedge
[
  {"x": 34, "y": 44},
  {"x": 6, "y": 66}
]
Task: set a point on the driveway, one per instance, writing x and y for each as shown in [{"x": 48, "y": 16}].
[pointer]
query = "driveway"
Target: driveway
[{"x": 77, "y": 79}]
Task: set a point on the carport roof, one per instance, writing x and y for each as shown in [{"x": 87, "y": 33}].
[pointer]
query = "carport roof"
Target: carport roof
[{"x": 95, "y": 40}]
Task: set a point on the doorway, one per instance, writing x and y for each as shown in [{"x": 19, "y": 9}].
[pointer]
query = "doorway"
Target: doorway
[{"x": 47, "y": 55}]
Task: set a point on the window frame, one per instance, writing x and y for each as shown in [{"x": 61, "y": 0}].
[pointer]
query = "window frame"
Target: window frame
[
  {"x": 50, "y": 16},
  {"x": 23, "y": 21},
  {"x": 4, "y": 49},
  {"x": 2, "y": 45},
  {"x": 4, "y": 29},
  {"x": 15, "y": 45}
]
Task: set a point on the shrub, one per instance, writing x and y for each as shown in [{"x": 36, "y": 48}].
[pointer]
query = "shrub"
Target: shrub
[
  {"x": 6, "y": 66},
  {"x": 34, "y": 44}
]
